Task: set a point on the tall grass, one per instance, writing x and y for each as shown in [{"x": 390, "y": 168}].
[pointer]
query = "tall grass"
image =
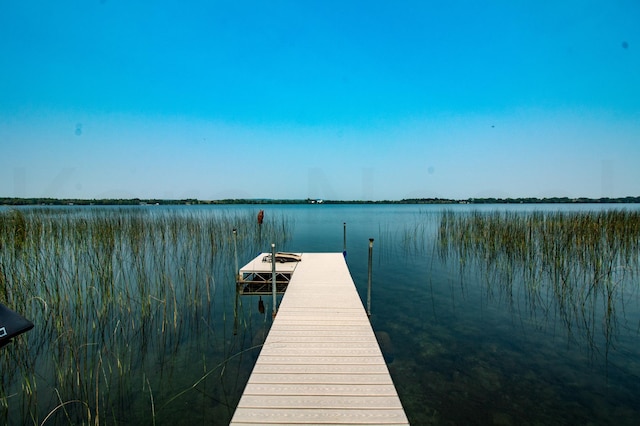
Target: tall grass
[
  {"x": 573, "y": 263},
  {"x": 119, "y": 299}
]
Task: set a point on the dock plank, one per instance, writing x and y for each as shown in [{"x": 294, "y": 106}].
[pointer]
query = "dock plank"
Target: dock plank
[
  {"x": 322, "y": 401},
  {"x": 321, "y": 378},
  {"x": 320, "y": 368},
  {"x": 322, "y": 416},
  {"x": 279, "y": 359},
  {"x": 321, "y": 362}
]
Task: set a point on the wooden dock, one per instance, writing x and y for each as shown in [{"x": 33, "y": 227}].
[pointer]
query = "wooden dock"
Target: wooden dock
[{"x": 320, "y": 363}]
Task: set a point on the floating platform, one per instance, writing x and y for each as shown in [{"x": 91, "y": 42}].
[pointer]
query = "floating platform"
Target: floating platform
[
  {"x": 256, "y": 276},
  {"x": 320, "y": 363}
]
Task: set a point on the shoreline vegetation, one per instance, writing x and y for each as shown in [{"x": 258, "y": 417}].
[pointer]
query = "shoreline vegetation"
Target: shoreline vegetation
[
  {"x": 133, "y": 310},
  {"x": 13, "y": 201}
]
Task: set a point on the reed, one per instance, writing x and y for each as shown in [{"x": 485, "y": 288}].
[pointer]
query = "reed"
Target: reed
[
  {"x": 583, "y": 260},
  {"x": 119, "y": 297}
]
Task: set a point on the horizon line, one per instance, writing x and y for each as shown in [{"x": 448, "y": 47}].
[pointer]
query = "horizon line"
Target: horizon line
[{"x": 421, "y": 200}]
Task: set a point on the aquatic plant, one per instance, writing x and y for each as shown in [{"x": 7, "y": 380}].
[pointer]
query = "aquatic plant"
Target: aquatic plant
[
  {"x": 126, "y": 301},
  {"x": 573, "y": 263}
]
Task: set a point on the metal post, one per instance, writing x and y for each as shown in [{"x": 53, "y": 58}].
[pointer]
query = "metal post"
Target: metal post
[
  {"x": 344, "y": 239},
  {"x": 235, "y": 313},
  {"x": 273, "y": 278},
  {"x": 235, "y": 252},
  {"x": 370, "y": 271},
  {"x": 238, "y": 278}
]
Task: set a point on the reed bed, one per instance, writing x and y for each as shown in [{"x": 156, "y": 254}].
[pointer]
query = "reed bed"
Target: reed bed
[
  {"x": 574, "y": 263},
  {"x": 121, "y": 300}
]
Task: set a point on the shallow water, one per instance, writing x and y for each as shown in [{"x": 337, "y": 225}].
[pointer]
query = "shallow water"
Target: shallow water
[{"x": 462, "y": 348}]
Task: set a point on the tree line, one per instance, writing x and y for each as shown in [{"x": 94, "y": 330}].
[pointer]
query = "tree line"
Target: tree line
[{"x": 13, "y": 201}]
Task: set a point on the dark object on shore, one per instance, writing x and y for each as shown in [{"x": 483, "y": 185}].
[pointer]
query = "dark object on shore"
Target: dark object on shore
[
  {"x": 12, "y": 324},
  {"x": 260, "y": 217}
]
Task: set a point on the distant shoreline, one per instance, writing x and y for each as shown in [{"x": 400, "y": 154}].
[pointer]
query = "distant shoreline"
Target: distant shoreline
[{"x": 13, "y": 201}]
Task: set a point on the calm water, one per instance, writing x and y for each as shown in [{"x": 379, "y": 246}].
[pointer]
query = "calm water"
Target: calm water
[{"x": 461, "y": 348}]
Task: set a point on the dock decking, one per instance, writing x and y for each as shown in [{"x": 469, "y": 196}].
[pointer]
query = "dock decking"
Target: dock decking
[
  {"x": 320, "y": 363},
  {"x": 255, "y": 277}
]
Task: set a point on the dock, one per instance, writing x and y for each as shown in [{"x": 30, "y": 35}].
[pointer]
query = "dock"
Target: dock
[
  {"x": 321, "y": 362},
  {"x": 256, "y": 276}
]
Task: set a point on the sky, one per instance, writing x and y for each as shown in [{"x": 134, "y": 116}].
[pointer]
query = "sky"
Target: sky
[{"x": 342, "y": 100}]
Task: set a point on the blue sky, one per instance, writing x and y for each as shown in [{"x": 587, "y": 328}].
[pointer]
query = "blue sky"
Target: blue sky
[{"x": 327, "y": 99}]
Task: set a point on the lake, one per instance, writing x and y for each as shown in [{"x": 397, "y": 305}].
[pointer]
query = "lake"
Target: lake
[{"x": 469, "y": 336}]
